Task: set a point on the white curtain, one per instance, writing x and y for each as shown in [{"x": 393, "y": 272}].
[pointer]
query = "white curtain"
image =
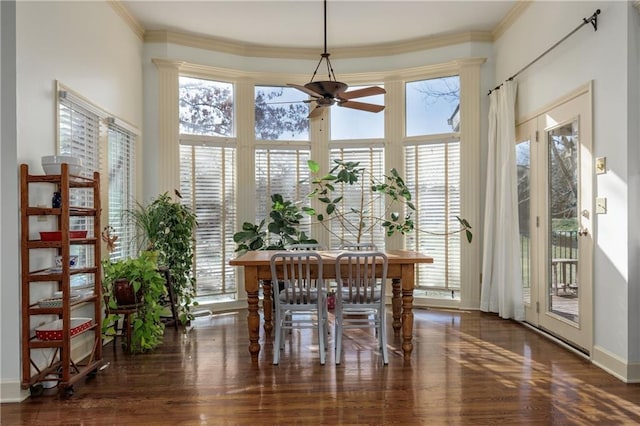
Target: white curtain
[{"x": 501, "y": 269}]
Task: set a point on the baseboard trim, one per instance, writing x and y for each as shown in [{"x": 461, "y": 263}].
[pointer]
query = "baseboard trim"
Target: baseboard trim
[
  {"x": 12, "y": 392},
  {"x": 616, "y": 366}
]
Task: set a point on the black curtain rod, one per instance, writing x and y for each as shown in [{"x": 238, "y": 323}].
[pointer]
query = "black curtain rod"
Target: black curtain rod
[{"x": 593, "y": 20}]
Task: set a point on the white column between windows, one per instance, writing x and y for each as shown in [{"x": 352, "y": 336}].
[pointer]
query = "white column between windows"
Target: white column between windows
[
  {"x": 393, "y": 135},
  {"x": 168, "y": 176},
  {"x": 470, "y": 140}
]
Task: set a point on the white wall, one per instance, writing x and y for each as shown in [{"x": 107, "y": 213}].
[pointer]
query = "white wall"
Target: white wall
[
  {"x": 9, "y": 333},
  {"x": 602, "y": 57},
  {"x": 633, "y": 161},
  {"x": 90, "y": 49}
]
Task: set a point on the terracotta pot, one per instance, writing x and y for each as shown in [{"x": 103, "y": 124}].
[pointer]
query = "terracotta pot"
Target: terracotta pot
[{"x": 124, "y": 294}]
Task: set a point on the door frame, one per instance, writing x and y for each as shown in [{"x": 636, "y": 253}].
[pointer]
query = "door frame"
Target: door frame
[{"x": 576, "y": 104}]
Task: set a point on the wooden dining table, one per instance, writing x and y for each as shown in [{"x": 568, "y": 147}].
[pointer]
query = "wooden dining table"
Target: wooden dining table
[{"x": 401, "y": 271}]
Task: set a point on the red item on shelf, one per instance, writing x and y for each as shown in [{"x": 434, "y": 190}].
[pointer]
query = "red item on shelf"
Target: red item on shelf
[
  {"x": 53, "y": 330},
  {"x": 57, "y": 235}
]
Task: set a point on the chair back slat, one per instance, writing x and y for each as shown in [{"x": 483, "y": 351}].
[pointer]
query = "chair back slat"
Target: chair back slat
[
  {"x": 300, "y": 298},
  {"x": 299, "y": 284},
  {"x": 361, "y": 276},
  {"x": 359, "y": 247}
]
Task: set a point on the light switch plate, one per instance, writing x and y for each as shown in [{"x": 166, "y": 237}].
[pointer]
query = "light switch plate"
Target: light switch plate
[
  {"x": 601, "y": 165},
  {"x": 601, "y": 205}
]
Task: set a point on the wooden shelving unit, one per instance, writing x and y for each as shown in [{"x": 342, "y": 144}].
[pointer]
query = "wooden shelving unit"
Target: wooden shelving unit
[{"x": 59, "y": 367}]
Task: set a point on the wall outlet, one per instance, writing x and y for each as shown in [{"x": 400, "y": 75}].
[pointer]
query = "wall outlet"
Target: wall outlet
[
  {"x": 601, "y": 165},
  {"x": 601, "y": 205}
]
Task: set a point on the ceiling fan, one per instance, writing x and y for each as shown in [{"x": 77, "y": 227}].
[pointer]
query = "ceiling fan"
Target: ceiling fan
[{"x": 331, "y": 92}]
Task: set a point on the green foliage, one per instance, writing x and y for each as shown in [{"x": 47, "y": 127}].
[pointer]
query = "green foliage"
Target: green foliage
[
  {"x": 167, "y": 227},
  {"x": 285, "y": 218},
  {"x": 359, "y": 218},
  {"x": 570, "y": 224},
  {"x": 285, "y": 215},
  {"x": 142, "y": 273}
]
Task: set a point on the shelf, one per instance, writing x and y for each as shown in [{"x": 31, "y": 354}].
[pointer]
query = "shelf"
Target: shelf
[
  {"x": 48, "y": 211},
  {"x": 33, "y": 244},
  {"x": 35, "y": 309},
  {"x": 66, "y": 370}
]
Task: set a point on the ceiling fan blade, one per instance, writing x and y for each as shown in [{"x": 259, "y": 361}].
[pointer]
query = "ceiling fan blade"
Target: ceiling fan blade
[
  {"x": 305, "y": 90},
  {"x": 301, "y": 101},
  {"x": 360, "y": 93},
  {"x": 361, "y": 106},
  {"x": 316, "y": 112}
]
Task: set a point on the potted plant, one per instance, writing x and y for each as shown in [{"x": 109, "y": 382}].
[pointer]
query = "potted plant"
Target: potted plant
[
  {"x": 148, "y": 287},
  {"x": 167, "y": 227},
  {"x": 281, "y": 232},
  {"x": 356, "y": 220}
]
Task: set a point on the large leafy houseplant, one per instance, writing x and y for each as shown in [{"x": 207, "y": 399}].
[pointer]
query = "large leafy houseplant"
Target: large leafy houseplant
[
  {"x": 142, "y": 274},
  {"x": 360, "y": 220},
  {"x": 282, "y": 230},
  {"x": 355, "y": 220},
  {"x": 167, "y": 227}
]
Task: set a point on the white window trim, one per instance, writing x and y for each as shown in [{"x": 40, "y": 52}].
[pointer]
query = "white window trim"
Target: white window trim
[
  {"x": 470, "y": 138},
  {"x": 105, "y": 118}
]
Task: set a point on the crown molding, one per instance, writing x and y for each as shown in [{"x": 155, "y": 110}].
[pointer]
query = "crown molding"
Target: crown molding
[
  {"x": 255, "y": 50},
  {"x": 128, "y": 18},
  {"x": 226, "y": 45},
  {"x": 414, "y": 45},
  {"x": 511, "y": 17}
]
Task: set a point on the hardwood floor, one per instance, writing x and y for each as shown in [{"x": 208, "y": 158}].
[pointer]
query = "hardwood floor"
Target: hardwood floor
[{"x": 467, "y": 368}]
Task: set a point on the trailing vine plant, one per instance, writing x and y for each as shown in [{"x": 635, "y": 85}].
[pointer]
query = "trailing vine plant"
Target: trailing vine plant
[{"x": 142, "y": 273}]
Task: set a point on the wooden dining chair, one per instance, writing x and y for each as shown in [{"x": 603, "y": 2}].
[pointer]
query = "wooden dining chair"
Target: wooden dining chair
[
  {"x": 302, "y": 301},
  {"x": 360, "y": 300}
]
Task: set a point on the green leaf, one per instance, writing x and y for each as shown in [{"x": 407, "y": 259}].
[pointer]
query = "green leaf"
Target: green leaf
[
  {"x": 469, "y": 235},
  {"x": 314, "y": 167}
]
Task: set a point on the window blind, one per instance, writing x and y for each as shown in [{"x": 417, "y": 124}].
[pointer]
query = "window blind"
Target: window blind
[
  {"x": 360, "y": 197},
  {"x": 281, "y": 171},
  {"x": 433, "y": 176},
  {"x": 121, "y": 181},
  {"x": 208, "y": 187},
  {"x": 87, "y": 132},
  {"x": 79, "y": 136}
]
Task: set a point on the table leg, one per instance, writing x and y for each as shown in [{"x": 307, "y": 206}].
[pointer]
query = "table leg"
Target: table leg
[
  {"x": 407, "y": 310},
  {"x": 253, "y": 318},
  {"x": 396, "y": 304},
  {"x": 267, "y": 307}
]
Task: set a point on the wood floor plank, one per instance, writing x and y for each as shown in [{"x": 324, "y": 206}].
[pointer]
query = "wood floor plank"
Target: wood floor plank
[{"x": 466, "y": 368}]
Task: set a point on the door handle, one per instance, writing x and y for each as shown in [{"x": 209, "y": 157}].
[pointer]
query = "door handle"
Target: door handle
[{"x": 583, "y": 232}]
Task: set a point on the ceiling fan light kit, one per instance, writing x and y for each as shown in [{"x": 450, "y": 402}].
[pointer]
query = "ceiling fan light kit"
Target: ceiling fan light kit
[{"x": 331, "y": 92}]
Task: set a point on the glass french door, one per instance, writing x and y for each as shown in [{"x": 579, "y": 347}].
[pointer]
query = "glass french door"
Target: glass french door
[{"x": 555, "y": 178}]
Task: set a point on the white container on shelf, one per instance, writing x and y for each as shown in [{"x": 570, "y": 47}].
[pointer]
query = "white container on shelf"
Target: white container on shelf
[{"x": 51, "y": 164}]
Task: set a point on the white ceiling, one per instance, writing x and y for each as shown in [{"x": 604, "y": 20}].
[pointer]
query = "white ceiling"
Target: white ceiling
[{"x": 299, "y": 23}]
